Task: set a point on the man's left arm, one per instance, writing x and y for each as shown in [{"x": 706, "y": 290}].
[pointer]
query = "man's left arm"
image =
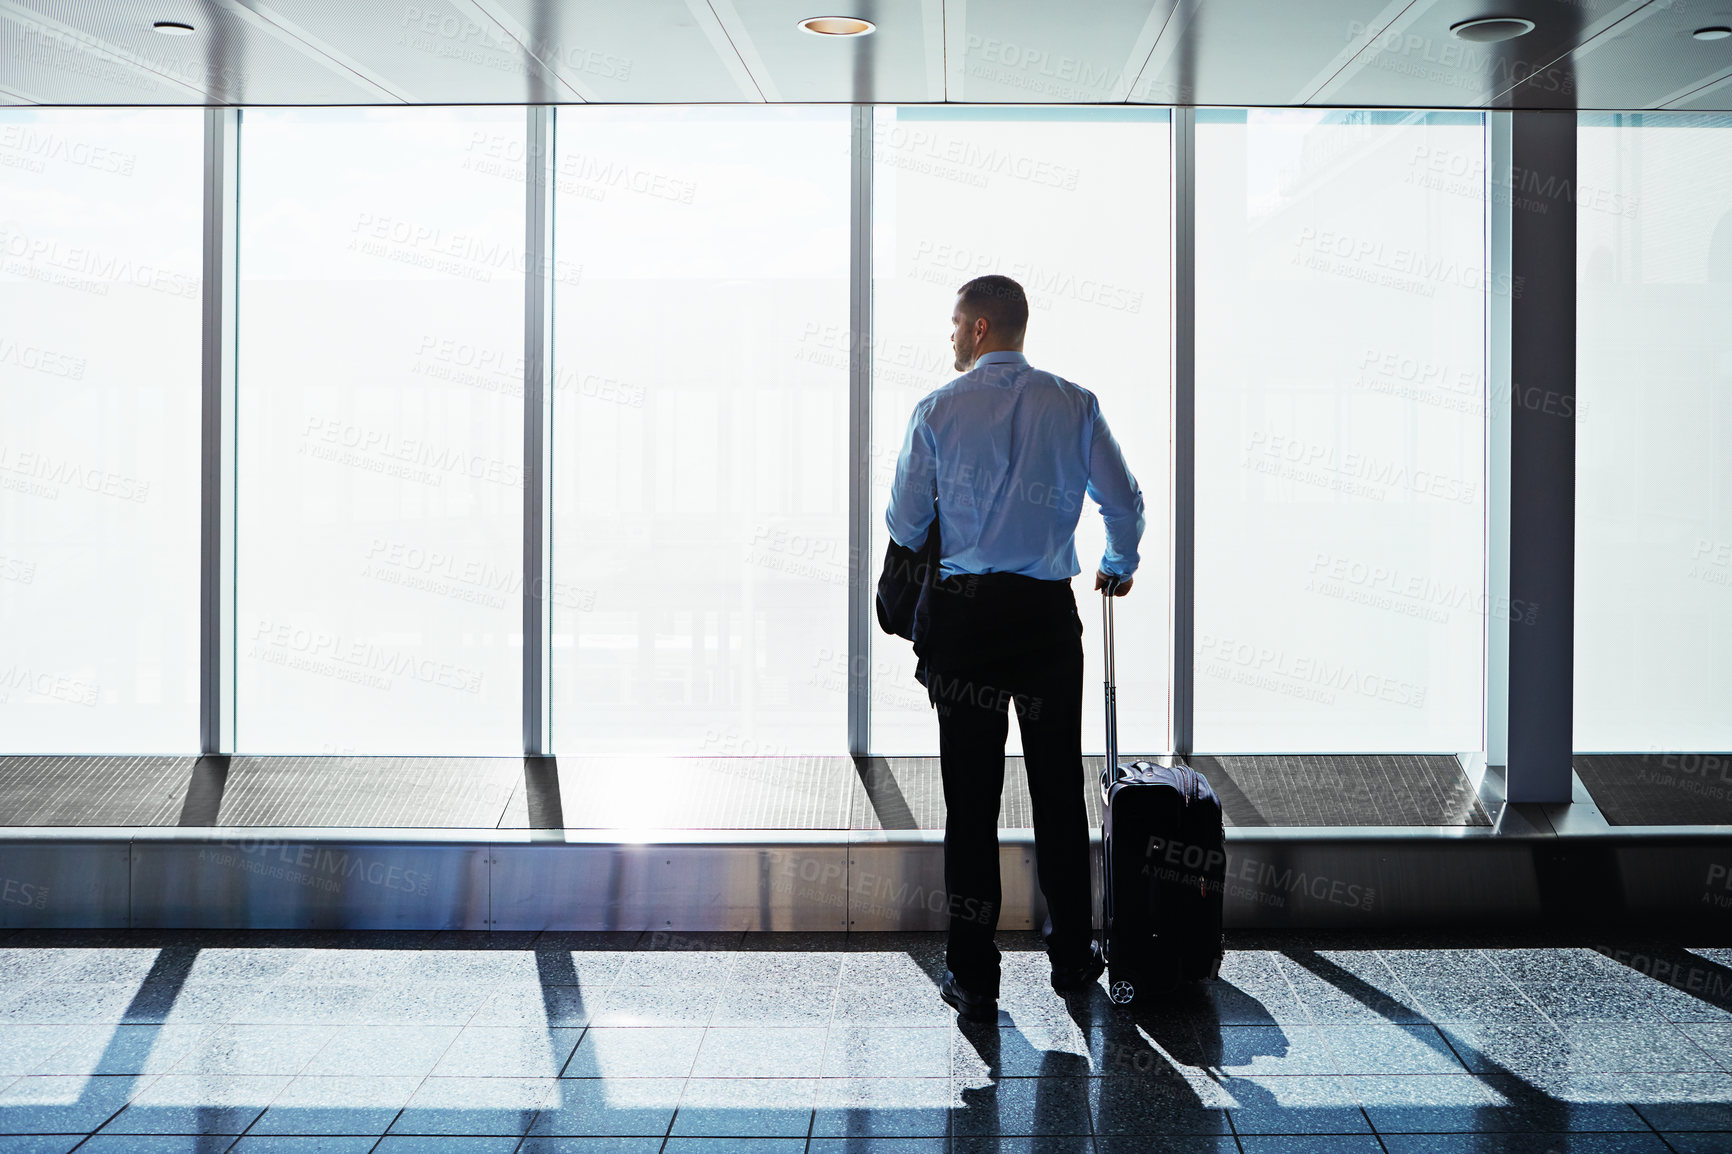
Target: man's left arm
[{"x": 1121, "y": 500}]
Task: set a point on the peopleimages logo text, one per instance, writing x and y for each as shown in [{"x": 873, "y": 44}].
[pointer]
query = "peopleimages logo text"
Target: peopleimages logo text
[
  {"x": 361, "y": 657},
  {"x": 326, "y": 868}
]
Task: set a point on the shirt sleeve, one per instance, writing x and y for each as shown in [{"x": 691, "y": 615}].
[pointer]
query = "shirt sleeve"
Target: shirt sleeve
[
  {"x": 916, "y": 484},
  {"x": 1115, "y": 490}
]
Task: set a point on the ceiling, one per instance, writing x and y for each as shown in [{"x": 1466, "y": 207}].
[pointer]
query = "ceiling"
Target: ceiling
[{"x": 1589, "y": 54}]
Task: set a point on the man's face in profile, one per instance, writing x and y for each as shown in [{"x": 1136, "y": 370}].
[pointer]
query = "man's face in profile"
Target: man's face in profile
[{"x": 962, "y": 337}]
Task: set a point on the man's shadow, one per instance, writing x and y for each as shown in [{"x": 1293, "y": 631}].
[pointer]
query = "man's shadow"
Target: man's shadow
[
  {"x": 1130, "y": 1082},
  {"x": 1029, "y": 1091}
]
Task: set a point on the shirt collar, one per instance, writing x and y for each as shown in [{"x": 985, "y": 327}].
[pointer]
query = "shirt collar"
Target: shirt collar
[{"x": 1001, "y": 357}]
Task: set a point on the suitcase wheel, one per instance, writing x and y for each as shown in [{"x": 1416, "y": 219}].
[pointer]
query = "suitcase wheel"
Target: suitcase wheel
[{"x": 1122, "y": 992}]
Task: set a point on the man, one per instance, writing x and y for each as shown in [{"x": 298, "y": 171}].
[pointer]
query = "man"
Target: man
[{"x": 1006, "y": 452}]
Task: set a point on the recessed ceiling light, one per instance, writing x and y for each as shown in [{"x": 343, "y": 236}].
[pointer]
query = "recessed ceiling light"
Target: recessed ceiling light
[
  {"x": 836, "y": 26},
  {"x": 1491, "y": 29},
  {"x": 1712, "y": 33},
  {"x": 172, "y": 28}
]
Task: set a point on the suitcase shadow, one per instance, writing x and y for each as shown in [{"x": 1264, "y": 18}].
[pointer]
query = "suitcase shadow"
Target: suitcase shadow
[{"x": 1164, "y": 1060}]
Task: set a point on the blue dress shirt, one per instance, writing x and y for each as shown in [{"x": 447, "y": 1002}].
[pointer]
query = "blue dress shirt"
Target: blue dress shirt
[{"x": 1009, "y": 451}]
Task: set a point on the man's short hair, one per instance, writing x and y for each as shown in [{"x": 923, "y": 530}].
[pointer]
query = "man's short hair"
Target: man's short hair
[{"x": 1001, "y": 301}]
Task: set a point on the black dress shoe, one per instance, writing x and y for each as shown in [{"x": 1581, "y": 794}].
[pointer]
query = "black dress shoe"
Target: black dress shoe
[
  {"x": 970, "y": 1007},
  {"x": 1075, "y": 979}
]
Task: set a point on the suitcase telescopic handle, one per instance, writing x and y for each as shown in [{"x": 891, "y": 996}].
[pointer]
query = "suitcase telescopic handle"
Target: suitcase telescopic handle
[{"x": 1111, "y": 694}]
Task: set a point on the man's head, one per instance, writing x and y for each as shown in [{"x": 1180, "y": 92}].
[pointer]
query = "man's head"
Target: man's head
[{"x": 991, "y": 315}]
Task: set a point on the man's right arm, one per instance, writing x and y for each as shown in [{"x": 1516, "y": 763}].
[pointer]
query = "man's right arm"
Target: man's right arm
[
  {"x": 911, "y": 493},
  {"x": 1121, "y": 500}
]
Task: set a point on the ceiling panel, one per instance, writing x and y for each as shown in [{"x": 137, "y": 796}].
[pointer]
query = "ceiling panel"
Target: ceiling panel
[
  {"x": 425, "y": 51},
  {"x": 1035, "y": 51},
  {"x": 1254, "y": 52},
  {"x": 52, "y": 63},
  {"x": 1417, "y": 62},
  {"x": 1599, "y": 54},
  {"x": 1715, "y": 97},
  {"x": 1650, "y": 58},
  {"x": 665, "y": 51},
  {"x": 902, "y": 62},
  {"x": 232, "y": 57}
]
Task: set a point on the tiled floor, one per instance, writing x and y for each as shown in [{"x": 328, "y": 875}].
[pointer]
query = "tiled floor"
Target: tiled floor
[{"x": 735, "y": 1042}]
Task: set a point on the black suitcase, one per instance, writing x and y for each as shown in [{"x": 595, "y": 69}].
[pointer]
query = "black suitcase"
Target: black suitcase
[{"x": 1165, "y": 865}]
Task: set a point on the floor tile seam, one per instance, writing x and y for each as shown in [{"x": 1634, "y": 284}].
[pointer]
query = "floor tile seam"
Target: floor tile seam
[
  {"x": 1277, "y": 962},
  {"x": 1648, "y": 1122},
  {"x": 1459, "y": 1056},
  {"x": 124, "y": 1106},
  {"x": 257, "y": 1118},
  {"x": 1409, "y": 1001},
  {"x": 571, "y": 1056},
  {"x": 1521, "y": 990}
]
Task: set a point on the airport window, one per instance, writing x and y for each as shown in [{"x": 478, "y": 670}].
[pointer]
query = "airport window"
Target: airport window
[
  {"x": 379, "y": 444},
  {"x": 700, "y": 441},
  {"x": 1340, "y": 501},
  {"x": 1653, "y": 433},
  {"x": 100, "y": 232},
  {"x": 1074, "y": 204},
  {"x": 700, "y": 431}
]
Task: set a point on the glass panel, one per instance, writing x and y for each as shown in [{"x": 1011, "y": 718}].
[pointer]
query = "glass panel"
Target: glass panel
[
  {"x": 100, "y": 228},
  {"x": 1340, "y": 409},
  {"x": 1075, "y": 205},
  {"x": 380, "y": 448},
  {"x": 1654, "y": 434},
  {"x": 701, "y": 432}
]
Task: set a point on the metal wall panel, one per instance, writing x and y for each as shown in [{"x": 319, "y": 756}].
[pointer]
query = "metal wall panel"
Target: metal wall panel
[
  {"x": 1366, "y": 883},
  {"x": 706, "y": 884},
  {"x": 896, "y": 882},
  {"x": 306, "y": 879},
  {"x": 309, "y": 879},
  {"x": 1676, "y": 882},
  {"x": 56, "y": 879}
]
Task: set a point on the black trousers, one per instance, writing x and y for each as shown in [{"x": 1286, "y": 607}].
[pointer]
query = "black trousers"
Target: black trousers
[{"x": 997, "y": 644}]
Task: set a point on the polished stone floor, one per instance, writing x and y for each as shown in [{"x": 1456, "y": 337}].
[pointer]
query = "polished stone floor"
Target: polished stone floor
[{"x": 737, "y": 1042}]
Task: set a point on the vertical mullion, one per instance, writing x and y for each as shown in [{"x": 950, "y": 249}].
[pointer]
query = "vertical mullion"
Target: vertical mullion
[
  {"x": 1498, "y": 208},
  {"x": 537, "y": 427},
  {"x": 1184, "y": 430},
  {"x": 217, "y": 434},
  {"x": 860, "y": 587},
  {"x": 1542, "y": 458}
]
